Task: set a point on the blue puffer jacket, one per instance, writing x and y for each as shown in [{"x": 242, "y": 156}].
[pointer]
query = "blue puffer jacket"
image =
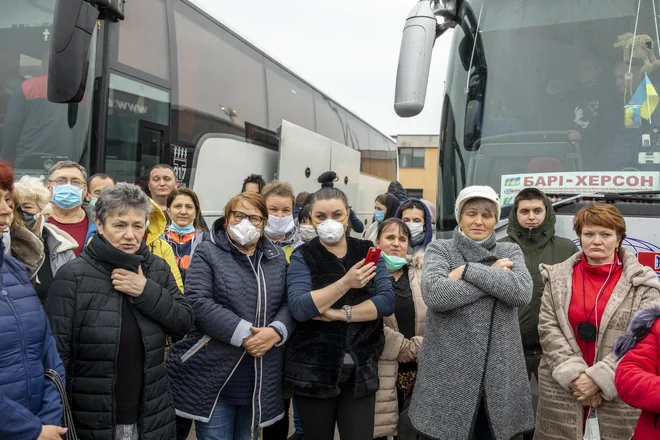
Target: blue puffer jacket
[
  {"x": 228, "y": 297},
  {"x": 27, "y": 347}
]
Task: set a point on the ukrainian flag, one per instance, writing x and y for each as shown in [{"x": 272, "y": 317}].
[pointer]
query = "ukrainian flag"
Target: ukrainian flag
[{"x": 646, "y": 98}]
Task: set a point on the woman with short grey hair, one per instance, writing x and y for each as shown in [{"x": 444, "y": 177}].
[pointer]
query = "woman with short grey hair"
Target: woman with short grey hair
[
  {"x": 472, "y": 381},
  {"x": 110, "y": 310}
]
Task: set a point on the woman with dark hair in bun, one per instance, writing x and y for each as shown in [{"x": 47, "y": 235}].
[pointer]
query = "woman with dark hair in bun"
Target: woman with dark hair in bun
[{"x": 331, "y": 363}]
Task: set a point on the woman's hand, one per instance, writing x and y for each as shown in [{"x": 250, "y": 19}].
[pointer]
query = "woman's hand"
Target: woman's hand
[
  {"x": 457, "y": 273},
  {"x": 332, "y": 315},
  {"x": 261, "y": 341},
  {"x": 406, "y": 354},
  {"x": 359, "y": 275},
  {"x": 52, "y": 432},
  {"x": 502, "y": 264},
  {"x": 596, "y": 401},
  {"x": 584, "y": 388},
  {"x": 128, "y": 282}
]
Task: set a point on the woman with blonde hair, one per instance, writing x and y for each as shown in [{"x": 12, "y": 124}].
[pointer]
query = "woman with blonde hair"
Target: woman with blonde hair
[
  {"x": 32, "y": 197},
  {"x": 587, "y": 303}
]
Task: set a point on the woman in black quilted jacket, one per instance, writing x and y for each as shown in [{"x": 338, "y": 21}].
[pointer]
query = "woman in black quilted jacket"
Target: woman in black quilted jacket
[{"x": 110, "y": 310}]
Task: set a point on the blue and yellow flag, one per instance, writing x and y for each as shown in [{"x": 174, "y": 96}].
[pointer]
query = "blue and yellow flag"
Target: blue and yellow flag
[{"x": 646, "y": 98}]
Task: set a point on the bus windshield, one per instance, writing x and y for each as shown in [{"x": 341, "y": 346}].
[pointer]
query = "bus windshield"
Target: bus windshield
[
  {"x": 35, "y": 133},
  {"x": 558, "y": 95}
]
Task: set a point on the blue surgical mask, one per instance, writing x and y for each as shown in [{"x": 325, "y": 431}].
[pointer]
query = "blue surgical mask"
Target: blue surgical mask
[
  {"x": 393, "y": 263},
  {"x": 93, "y": 201},
  {"x": 417, "y": 232},
  {"x": 67, "y": 196},
  {"x": 379, "y": 215},
  {"x": 182, "y": 230}
]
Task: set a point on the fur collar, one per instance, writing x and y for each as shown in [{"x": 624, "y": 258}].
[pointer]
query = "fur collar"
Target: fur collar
[
  {"x": 27, "y": 248},
  {"x": 638, "y": 328}
]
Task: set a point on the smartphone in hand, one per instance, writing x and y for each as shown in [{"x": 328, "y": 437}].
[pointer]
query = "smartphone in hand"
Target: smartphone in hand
[{"x": 372, "y": 255}]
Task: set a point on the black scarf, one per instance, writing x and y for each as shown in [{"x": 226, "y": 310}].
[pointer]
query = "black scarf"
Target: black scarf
[{"x": 107, "y": 254}]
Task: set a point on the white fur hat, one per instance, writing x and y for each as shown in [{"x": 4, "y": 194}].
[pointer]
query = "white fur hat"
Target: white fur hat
[{"x": 476, "y": 192}]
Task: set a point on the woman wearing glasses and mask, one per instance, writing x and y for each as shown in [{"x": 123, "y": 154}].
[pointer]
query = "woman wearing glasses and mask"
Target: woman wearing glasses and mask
[
  {"x": 227, "y": 372},
  {"x": 339, "y": 303}
]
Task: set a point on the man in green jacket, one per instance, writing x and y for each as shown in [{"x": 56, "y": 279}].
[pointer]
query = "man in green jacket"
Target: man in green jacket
[{"x": 532, "y": 226}]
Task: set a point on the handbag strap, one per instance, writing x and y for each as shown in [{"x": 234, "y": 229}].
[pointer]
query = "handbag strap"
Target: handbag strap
[{"x": 68, "y": 416}]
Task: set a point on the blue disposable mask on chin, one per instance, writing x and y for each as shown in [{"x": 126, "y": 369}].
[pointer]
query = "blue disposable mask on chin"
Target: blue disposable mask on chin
[
  {"x": 379, "y": 216},
  {"x": 93, "y": 201},
  {"x": 393, "y": 263},
  {"x": 182, "y": 230},
  {"x": 67, "y": 196}
]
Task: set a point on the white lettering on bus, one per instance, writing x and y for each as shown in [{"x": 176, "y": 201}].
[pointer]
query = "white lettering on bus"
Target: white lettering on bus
[{"x": 124, "y": 106}]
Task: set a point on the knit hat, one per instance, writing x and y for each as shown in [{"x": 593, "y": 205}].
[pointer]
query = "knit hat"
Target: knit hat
[{"x": 476, "y": 192}]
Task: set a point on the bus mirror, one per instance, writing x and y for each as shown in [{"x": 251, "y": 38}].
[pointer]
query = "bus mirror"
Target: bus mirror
[
  {"x": 419, "y": 35},
  {"x": 73, "y": 26}
]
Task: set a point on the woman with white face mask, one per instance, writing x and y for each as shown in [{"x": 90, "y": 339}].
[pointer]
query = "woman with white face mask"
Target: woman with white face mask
[
  {"x": 331, "y": 364},
  {"x": 416, "y": 215},
  {"x": 227, "y": 372},
  {"x": 281, "y": 228}
]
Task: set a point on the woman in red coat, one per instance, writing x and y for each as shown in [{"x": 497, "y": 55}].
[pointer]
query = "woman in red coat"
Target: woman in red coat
[{"x": 637, "y": 376}]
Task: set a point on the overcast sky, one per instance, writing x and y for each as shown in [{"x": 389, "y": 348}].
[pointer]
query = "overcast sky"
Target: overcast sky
[{"x": 346, "y": 48}]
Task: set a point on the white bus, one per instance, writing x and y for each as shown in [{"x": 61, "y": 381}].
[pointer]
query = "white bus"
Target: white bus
[
  {"x": 552, "y": 94},
  {"x": 121, "y": 87}
]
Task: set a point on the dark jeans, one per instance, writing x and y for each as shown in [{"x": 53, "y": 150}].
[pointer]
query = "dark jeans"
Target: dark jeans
[
  {"x": 482, "y": 429},
  {"x": 354, "y": 417},
  {"x": 183, "y": 427},
  {"x": 532, "y": 360},
  {"x": 279, "y": 430}
]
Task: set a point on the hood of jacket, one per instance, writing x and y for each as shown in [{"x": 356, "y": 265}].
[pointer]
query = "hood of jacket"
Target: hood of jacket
[
  {"x": 398, "y": 191},
  {"x": 428, "y": 221},
  {"x": 638, "y": 328},
  {"x": 61, "y": 241},
  {"x": 27, "y": 248},
  {"x": 90, "y": 210},
  {"x": 537, "y": 237},
  {"x": 157, "y": 224}
]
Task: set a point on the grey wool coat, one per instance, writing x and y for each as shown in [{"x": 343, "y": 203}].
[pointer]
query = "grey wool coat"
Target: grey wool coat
[{"x": 472, "y": 349}]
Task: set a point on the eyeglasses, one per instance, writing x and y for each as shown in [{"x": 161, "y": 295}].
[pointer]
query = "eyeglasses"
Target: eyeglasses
[
  {"x": 239, "y": 216},
  {"x": 63, "y": 181}
]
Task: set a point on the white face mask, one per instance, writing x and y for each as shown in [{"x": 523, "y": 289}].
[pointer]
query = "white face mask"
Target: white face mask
[
  {"x": 245, "y": 232},
  {"x": 417, "y": 232},
  {"x": 279, "y": 226},
  {"x": 307, "y": 232},
  {"x": 330, "y": 231}
]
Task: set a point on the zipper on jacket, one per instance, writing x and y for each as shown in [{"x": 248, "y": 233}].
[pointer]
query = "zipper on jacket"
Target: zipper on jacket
[{"x": 23, "y": 352}]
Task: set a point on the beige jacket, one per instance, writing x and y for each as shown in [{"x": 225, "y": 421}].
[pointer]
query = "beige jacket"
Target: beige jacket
[
  {"x": 387, "y": 406},
  {"x": 559, "y": 414}
]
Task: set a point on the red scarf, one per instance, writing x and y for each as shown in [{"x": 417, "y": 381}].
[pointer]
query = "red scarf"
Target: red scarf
[{"x": 588, "y": 280}]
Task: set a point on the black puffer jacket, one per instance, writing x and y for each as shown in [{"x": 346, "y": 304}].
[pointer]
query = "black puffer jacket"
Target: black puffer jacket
[{"x": 85, "y": 314}]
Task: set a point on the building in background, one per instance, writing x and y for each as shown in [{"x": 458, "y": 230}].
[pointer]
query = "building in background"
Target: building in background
[{"x": 418, "y": 165}]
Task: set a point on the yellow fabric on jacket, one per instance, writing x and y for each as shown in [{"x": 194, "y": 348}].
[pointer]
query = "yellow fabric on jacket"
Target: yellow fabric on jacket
[{"x": 158, "y": 246}]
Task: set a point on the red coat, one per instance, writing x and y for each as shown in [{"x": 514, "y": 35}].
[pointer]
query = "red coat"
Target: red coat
[{"x": 637, "y": 376}]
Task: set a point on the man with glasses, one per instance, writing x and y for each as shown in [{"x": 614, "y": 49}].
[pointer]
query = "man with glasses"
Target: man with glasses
[{"x": 67, "y": 184}]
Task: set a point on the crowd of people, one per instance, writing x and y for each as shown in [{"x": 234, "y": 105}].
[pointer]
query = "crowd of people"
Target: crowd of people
[{"x": 154, "y": 321}]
